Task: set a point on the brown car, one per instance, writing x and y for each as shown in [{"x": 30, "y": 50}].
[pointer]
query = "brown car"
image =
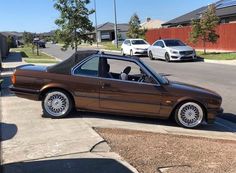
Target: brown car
[{"x": 94, "y": 81}]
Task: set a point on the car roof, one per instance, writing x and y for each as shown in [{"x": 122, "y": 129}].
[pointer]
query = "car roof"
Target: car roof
[{"x": 135, "y": 39}]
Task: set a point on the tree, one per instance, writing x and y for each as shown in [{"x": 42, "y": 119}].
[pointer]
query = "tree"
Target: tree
[
  {"x": 74, "y": 22},
  {"x": 135, "y": 30},
  {"x": 205, "y": 28},
  {"x": 28, "y": 37}
]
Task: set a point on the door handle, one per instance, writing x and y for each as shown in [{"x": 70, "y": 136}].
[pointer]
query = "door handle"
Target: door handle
[{"x": 105, "y": 85}]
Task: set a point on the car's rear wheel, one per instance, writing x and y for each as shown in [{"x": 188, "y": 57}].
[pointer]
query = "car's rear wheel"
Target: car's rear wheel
[
  {"x": 189, "y": 114},
  {"x": 167, "y": 57},
  {"x": 57, "y": 104},
  {"x": 151, "y": 55}
]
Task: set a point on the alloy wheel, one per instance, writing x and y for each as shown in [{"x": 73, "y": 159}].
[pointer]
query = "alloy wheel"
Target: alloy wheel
[{"x": 190, "y": 115}]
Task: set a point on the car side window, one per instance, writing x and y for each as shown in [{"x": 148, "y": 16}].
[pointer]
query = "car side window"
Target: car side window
[
  {"x": 161, "y": 44},
  {"x": 156, "y": 43},
  {"x": 125, "y": 71},
  {"x": 89, "y": 68},
  {"x": 127, "y": 42}
]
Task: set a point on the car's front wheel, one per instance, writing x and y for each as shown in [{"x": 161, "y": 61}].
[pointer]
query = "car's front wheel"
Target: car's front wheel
[
  {"x": 189, "y": 115},
  {"x": 151, "y": 55},
  {"x": 57, "y": 104},
  {"x": 167, "y": 57},
  {"x": 122, "y": 52},
  {"x": 131, "y": 53}
]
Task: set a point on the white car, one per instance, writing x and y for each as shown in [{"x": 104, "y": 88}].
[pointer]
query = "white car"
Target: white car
[
  {"x": 171, "y": 50},
  {"x": 134, "y": 47}
]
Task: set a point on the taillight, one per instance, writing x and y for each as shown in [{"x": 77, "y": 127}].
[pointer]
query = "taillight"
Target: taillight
[{"x": 13, "y": 79}]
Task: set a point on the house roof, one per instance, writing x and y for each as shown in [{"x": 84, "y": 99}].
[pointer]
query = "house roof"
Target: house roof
[
  {"x": 108, "y": 26},
  {"x": 221, "y": 11},
  {"x": 152, "y": 24}
]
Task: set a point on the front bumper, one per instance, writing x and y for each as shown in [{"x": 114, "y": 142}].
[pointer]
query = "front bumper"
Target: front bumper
[
  {"x": 178, "y": 57},
  {"x": 212, "y": 113},
  {"x": 25, "y": 93},
  {"x": 140, "y": 52}
]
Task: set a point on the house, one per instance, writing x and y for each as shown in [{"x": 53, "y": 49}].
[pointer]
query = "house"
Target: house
[
  {"x": 225, "y": 10},
  {"x": 105, "y": 32},
  {"x": 152, "y": 24},
  {"x": 4, "y": 49}
]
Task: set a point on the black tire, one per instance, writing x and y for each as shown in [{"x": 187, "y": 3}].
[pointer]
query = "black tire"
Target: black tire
[
  {"x": 184, "y": 119},
  {"x": 64, "y": 98},
  {"x": 131, "y": 53},
  {"x": 167, "y": 57},
  {"x": 151, "y": 55},
  {"x": 122, "y": 52}
]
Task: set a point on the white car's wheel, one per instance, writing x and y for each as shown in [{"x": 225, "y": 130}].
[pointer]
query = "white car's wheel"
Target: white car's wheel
[
  {"x": 151, "y": 55},
  {"x": 131, "y": 53},
  {"x": 189, "y": 115},
  {"x": 122, "y": 52},
  {"x": 56, "y": 104},
  {"x": 167, "y": 57}
]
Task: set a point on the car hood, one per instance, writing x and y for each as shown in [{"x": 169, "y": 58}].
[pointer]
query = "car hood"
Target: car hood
[
  {"x": 182, "y": 88},
  {"x": 141, "y": 46},
  {"x": 181, "y": 48}
]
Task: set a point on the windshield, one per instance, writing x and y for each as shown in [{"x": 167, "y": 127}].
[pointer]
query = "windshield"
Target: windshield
[
  {"x": 172, "y": 43},
  {"x": 136, "y": 42},
  {"x": 161, "y": 79}
]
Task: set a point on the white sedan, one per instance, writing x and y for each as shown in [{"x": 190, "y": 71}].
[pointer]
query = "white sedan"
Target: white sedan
[
  {"x": 134, "y": 47},
  {"x": 171, "y": 50}
]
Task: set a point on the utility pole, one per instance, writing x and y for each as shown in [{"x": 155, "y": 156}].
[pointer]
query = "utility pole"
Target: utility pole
[
  {"x": 96, "y": 27},
  {"x": 115, "y": 28}
]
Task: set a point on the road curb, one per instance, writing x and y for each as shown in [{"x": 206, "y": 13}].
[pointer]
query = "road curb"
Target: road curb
[{"x": 222, "y": 62}]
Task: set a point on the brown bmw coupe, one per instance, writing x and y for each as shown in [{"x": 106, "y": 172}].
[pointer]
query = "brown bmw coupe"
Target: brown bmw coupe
[{"x": 94, "y": 81}]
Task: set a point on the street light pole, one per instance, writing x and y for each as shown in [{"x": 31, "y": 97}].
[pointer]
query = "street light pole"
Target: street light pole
[
  {"x": 115, "y": 27},
  {"x": 96, "y": 27}
]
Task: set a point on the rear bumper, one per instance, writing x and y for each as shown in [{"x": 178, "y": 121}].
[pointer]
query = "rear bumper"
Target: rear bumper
[
  {"x": 212, "y": 113},
  {"x": 25, "y": 93}
]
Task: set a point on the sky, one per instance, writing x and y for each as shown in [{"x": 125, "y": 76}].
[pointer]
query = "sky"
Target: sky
[{"x": 39, "y": 15}]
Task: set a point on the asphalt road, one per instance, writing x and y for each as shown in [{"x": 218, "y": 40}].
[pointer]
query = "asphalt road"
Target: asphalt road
[{"x": 217, "y": 77}]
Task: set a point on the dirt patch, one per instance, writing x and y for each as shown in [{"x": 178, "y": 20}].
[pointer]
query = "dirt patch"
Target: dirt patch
[{"x": 153, "y": 152}]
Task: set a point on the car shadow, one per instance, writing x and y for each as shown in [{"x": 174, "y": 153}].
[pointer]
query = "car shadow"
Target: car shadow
[
  {"x": 7, "y": 131},
  {"x": 81, "y": 165},
  {"x": 228, "y": 116},
  {"x": 144, "y": 120}
]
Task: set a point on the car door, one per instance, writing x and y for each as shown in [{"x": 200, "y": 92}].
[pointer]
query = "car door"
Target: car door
[
  {"x": 85, "y": 84},
  {"x": 124, "y": 96},
  {"x": 155, "y": 49},
  {"x": 162, "y": 50},
  {"x": 127, "y": 47}
]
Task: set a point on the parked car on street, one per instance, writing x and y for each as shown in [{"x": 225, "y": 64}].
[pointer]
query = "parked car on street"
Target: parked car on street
[
  {"x": 40, "y": 43},
  {"x": 114, "y": 84},
  {"x": 134, "y": 47},
  {"x": 171, "y": 50}
]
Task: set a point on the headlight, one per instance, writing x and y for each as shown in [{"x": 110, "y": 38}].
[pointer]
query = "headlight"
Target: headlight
[{"x": 174, "y": 52}]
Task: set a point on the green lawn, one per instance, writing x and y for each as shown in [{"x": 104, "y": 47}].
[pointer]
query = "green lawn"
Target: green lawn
[
  {"x": 109, "y": 46},
  {"x": 217, "y": 56},
  {"x": 32, "y": 57}
]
